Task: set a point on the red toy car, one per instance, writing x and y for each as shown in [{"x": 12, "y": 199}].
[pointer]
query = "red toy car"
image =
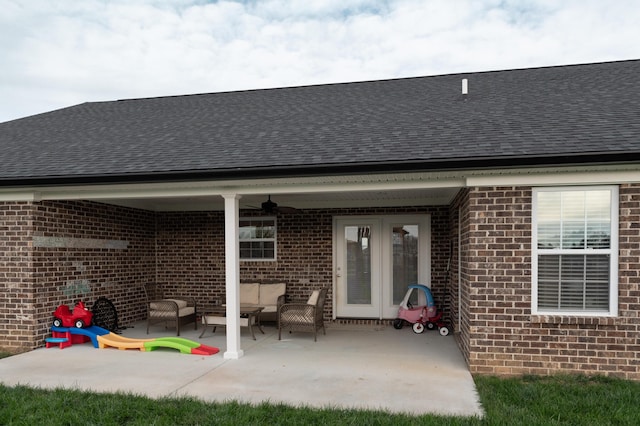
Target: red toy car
[{"x": 80, "y": 316}]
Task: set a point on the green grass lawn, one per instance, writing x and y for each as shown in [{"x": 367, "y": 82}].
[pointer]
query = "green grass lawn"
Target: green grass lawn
[{"x": 557, "y": 400}]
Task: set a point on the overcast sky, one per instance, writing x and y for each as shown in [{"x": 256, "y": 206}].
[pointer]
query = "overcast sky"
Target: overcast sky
[{"x": 58, "y": 53}]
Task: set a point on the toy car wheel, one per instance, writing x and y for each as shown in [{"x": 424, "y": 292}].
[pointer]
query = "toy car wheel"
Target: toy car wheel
[
  {"x": 79, "y": 324},
  {"x": 398, "y": 323},
  {"x": 444, "y": 330},
  {"x": 431, "y": 325},
  {"x": 418, "y": 328},
  {"x": 57, "y": 322}
]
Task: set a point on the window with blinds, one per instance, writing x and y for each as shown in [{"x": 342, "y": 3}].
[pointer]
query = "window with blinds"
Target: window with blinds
[
  {"x": 575, "y": 250},
  {"x": 257, "y": 238}
]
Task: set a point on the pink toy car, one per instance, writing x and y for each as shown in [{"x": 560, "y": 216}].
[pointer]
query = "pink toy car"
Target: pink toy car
[
  {"x": 424, "y": 315},
  {"x": 80, "y": 316}
]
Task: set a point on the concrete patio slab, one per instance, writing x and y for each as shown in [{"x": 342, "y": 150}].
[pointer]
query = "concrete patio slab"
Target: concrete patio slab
[{"x": 362, "y": 367}]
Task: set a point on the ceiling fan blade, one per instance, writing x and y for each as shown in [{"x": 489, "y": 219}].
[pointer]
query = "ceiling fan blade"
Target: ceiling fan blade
[{"x": 286, "y": 209}]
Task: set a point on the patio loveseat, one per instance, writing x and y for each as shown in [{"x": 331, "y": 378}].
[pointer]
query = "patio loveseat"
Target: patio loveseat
[{"x": 268, "y": 295}]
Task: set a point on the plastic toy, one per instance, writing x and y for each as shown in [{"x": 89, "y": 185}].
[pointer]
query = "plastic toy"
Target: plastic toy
[
  {"x": 102, "y": 338},
  {"x": 80, "y": 316},
  {"x": 425, "y": 315},
  {"x": 74, "y": 327},
  {"x": 61, "y": 342}
]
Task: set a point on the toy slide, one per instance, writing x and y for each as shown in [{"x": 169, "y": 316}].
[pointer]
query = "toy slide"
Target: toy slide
[
  {"x": 102, "y": 338},
  {"x": 185, "y": 346},
  {"x": 113, "y": 340},
  {"x": 80, "y": 335}
]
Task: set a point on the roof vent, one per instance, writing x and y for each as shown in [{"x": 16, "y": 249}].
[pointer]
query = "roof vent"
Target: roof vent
[{"x": 465, "y": 87}]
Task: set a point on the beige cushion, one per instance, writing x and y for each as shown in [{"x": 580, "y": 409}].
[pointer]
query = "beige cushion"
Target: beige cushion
[
  {"x": 313, "y": 299},
  {"x": 270, "y": 308},
  {"x": 269, "y": 293},
  {"x": 216, "y": 320},
  {"x": 250, "y": 293},
  {"x": 159, "y": 306},
  {"x": 189, "y": 310}
]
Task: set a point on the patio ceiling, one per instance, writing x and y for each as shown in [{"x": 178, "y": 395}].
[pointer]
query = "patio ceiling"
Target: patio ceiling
[
  {"x": 321, "y": 192},
  {"x": 314, "y": 192},
  {"x": 347, "y": 199}
]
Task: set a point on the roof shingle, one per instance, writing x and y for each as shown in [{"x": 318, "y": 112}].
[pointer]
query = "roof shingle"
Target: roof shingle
[{"x": 567, "y": 112}]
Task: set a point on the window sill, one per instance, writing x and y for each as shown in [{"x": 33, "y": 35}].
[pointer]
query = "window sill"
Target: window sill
[
  {"x": 573, "y": 319},
  {"x": 258, "y": 260}
]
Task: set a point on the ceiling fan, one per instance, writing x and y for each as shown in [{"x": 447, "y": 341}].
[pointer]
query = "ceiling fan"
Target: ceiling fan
[{"x": 271, "y": 207}]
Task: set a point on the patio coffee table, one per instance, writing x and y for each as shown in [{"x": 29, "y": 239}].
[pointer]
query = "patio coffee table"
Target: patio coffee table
[{"x": 249, "y": 316}]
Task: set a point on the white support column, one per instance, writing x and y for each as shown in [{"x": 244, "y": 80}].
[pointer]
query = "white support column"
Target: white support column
[{"x": 232, "y": 269}]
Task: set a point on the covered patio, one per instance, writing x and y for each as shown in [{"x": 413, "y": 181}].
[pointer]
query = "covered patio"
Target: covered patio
[
  {"x": 185, "y": 237},
  {"x": 362, "y": 367}
]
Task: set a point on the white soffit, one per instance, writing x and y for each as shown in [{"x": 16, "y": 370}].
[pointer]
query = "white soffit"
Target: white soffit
[
  {"x": 557, "y": 176},
  {"x": 376, "y": 190},
  {"x": 388, "y": 182},
  {"x": 381, "y": 190}
]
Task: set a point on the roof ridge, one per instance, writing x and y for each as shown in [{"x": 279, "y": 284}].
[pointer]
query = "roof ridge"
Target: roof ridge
[{"x": 344, "y": 83}]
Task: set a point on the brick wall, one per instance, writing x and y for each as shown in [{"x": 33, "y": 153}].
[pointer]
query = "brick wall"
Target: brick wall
[
  {"x": 190, "y": 252},
  {"x": 503, "y": 337},
  {"x": 459, "y": 274},
  {"x": 92, "y": 250},
  {"x": 59, "y": 252},
  {"x": 17, "y": 325},
  {"x": 443, "y": 246},
  {"x": 498, "y": 267}
]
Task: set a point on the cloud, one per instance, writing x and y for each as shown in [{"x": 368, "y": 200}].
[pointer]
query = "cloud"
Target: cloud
[{"x": 61, "y": 53}]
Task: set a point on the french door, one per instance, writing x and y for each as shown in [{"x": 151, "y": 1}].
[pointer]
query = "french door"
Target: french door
[{"x": 376, "y": 258}]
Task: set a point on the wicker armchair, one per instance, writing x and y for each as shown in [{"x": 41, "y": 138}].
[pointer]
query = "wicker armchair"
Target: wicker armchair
[
  {"x": 303, "y": 316},
  {"x": 177, "y": 310}
]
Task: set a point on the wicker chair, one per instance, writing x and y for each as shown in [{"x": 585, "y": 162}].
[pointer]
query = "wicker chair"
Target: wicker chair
[
  {"x": 303, "y": 316},
  {"x": 176, "y": 310}
]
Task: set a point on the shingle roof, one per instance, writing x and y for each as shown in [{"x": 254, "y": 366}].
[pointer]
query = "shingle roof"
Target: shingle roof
[{"x": 577, "y": 113}]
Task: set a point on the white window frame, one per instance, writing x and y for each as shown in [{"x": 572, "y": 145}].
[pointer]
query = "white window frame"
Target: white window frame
[
  {"x": 274, "y": 239},
  {"x": 612, "y": 251}
]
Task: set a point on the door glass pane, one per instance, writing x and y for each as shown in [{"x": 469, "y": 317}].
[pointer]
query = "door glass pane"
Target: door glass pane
[
  {"x": 405, "y": 260},
  {"x": 358, "y": 243}
]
